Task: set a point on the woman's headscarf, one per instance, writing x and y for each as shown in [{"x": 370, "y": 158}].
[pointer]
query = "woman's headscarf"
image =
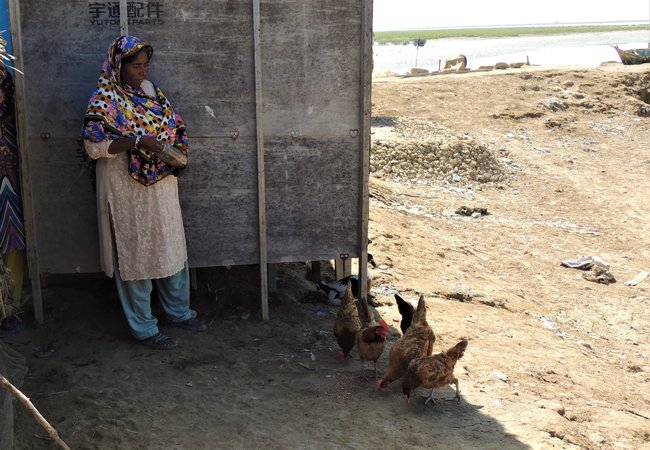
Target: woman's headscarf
[{"x": 116, "y": 110}]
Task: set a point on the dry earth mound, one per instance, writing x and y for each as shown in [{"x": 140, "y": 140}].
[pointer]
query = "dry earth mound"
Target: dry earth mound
[{"x": 412, "y": 149}]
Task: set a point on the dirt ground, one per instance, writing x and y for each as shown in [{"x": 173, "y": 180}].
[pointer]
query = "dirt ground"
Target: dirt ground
[{"x": 554, "y": 360}]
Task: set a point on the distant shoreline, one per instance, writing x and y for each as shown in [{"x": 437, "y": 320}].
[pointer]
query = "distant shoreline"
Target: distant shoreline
[
  {"x": 407, "y": 36},
  {"x": 577, "y": 49}
]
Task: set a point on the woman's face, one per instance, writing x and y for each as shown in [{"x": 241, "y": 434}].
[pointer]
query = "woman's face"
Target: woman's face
[{"x": 135, "y": 72}]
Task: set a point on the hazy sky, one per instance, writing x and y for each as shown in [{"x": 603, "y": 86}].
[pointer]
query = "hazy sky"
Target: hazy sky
[{"x": 404, "y": 14}]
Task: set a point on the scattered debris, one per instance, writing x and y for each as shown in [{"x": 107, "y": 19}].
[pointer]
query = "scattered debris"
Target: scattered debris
[
  {"x": 555, "y": 104},
  {"x": 456, "y": 64},
  {"x": 637, "y": 279},
  {"x": 585, "y": 262},
  {"x": 419, "y": 71},
  {"x": 500, "y": 375},
  {"x": 386, "y": 290},
  {"x": 468, "y": 295},
  {"x": 550, "y": 325},
  {"x": 600, "y": 275},
  {"x": 467, "y": 211},
  {"x": 599, "y": 268},
  {"x": 460, "y": 295}
]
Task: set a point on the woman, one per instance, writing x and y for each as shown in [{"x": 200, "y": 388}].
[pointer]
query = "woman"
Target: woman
[
  {"x": 138, "y": 142},
  {"x": 12, "y": 230}
]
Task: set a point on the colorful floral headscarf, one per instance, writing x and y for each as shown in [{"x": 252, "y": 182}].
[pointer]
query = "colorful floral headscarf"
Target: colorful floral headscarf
[{"x": 116, "y": 110}]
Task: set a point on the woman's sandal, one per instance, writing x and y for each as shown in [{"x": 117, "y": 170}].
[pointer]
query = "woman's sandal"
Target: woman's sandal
[
  {"x": 160, "y": 342},
  {"x": 191, "y": 325}
]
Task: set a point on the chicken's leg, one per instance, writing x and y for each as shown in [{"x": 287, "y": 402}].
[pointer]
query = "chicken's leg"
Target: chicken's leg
[
  {"x": 430, "y": 399},
  {"x": 457, "y": 391},
  {"x": 363, "y": 368}
]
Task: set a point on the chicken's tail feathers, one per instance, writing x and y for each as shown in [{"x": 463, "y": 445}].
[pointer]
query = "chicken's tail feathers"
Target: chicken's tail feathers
[
  {"x": 348, "y": 297},
  {"x": 325, "y": 287},
  {"x": 405, "y": 308},
  {"x": 458, "y": 350},
  {"x": 421, "y": 311}
]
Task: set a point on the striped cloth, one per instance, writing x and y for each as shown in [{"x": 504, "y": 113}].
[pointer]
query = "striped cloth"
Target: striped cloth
[{"x": 12, "y": 229}]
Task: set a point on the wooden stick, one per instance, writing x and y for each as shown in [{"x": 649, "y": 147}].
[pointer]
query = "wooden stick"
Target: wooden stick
[{"x": 39, "y": 418}]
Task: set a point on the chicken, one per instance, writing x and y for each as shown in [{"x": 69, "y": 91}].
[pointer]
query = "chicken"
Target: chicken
[
  {"x": 415, "y": 343},
  {"x": 347, "y": 324},
  {"x": 336, "y": 289},
  {"x": 406, "y": 310},
  {"x": 370, "y": 343},
  {"x": 433, "y": 372}
]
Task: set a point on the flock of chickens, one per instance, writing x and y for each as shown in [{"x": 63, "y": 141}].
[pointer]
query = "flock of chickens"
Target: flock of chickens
[{"x": 411, "y": 358}]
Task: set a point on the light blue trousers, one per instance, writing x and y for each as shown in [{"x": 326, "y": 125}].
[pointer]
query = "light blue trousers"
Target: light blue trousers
[{"x": 135, "y": 296}]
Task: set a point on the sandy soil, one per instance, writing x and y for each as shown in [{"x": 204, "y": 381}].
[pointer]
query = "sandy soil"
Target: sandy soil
[{"x": 554, "y": 360}]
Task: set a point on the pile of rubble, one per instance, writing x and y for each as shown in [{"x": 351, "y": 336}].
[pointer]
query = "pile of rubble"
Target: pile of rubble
[{"x": 423, "y": 151}]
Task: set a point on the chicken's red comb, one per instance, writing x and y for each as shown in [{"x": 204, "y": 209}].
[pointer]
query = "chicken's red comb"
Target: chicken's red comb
[{"x": 384, "y": 325}]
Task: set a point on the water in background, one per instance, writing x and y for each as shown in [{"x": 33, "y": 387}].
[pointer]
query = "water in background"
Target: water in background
[{"x": 576, "y": 49}]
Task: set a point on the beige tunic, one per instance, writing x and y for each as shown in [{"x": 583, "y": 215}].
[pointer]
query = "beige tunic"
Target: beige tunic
[{"x": 147, "y": 221}]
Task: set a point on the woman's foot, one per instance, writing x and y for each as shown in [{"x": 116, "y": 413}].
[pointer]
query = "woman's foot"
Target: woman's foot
[
  {"x": 160, "y": 342},
  {"x": 191, "y": 325}
]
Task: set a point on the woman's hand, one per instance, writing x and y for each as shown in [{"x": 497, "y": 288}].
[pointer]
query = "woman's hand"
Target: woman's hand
[
  {"x": 147, "y": 144},
  {"x": 151, "y": 144}
]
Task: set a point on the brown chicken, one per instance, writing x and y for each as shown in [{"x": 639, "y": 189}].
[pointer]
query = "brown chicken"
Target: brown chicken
[
  {"x": 370, "y": 343},
  {"x": 347, "y": 324},
  {"x": 416, "y": 342},
  {"x": 433, "y": 372}
]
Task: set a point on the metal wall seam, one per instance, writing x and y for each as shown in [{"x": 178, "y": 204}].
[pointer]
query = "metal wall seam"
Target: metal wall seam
[
  {"x": 261, "y": 178},
  {"x": 124, "y": 18}
]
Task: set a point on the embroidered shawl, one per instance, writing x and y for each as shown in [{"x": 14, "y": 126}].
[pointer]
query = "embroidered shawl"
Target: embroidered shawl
[{"x": 116, "y": 110}]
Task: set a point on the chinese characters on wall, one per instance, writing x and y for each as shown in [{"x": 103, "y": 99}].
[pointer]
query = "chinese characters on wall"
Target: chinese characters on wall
[{"x": 138, "y": 13}]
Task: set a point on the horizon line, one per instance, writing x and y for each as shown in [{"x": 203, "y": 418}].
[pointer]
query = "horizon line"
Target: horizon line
[{"x": 543, "y": 24}]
